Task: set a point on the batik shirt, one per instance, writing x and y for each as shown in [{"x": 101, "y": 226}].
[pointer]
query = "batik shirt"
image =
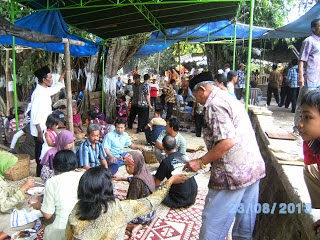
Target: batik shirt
[
  {"x": 241, "y": 79},
  {"x": 226, "y": 118},
  {"x": 310, "y": 53},
  {"x": 112, "y": 223}
]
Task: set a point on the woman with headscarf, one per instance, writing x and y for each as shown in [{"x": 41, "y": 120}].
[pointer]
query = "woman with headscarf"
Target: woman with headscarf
[
  {"x": 11, "y": 198},
  {"x": 141, "y": 186},
  {"x": 100, "y": 114},
  {"x": 64, "y": 141}
]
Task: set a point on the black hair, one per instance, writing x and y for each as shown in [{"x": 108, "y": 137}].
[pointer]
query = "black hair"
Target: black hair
[
  {"x": 126, "y": 92},
  {"x": 120, "y": 121},
  {"x": 65, "y": 161},
  {"x": 146, "y": 77},
  {"x": 221, "y": 78},
  {"x": 174, "y": 123},
  {"x": 294, "y": 62},
  {"x": 172, "y": 81},
  {"x": 314, "y": 23},
  {"x": 169, "y": 143},
  {"x": 158, "y": 110},
  {"x": 92, "y": 114},
  {"x": 123, "y": 98},
  {"x": 227, "y": 65},
  {"x": 20, "y": 111},
  {"x": 180, "y": 91},
  {"x": 312, "y": 99},
  {"x": 274, "y": 66},
  {"x": 94, "y": 191},
  {"x": 231, "y": 74},
  {"x": 52, "y": 120},
  {"x": 136, "y": 76}
]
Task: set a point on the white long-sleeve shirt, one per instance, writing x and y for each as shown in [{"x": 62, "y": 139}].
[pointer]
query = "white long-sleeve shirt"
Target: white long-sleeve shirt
[{"x": 41, "y": 106}]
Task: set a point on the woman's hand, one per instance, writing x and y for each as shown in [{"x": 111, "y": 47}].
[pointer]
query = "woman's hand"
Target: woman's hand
[
  {"x": 27, "y": 185},
  {"x": 176, "y": 179}
]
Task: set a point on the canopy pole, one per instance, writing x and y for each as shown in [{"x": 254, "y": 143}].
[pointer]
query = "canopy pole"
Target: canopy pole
[
  {"x": 102, "y": 91},
  {"x": 249, "y": 54},
  {"x": 234, "y": 46},
  {"x": 9, "y": 97},
  {"x": 68, "y": 86},
  {"x": 15, "y": 94}
]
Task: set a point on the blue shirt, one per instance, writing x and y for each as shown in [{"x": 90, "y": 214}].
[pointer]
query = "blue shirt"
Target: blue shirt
[
  {"x": 115, "y": 142},
  {"x": 293, "y": 76},
  {"x": 90, "y": 157}
]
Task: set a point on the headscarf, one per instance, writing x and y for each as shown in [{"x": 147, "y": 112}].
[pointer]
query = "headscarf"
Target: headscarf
[
  {"x": 76, "y": 117},
  {"x": 64, "y": 138},
  {"x": 100, "y": 115},
  {"x": 6, "y": 162},
  {"x": 140, "y": 169}
]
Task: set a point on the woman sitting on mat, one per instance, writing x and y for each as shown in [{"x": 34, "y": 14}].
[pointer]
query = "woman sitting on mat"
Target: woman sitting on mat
[{"x": 99, "y": 215}]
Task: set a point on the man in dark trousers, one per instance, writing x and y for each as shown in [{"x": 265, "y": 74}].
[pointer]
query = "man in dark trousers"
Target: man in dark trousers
[{"x": 182, "y": 194}]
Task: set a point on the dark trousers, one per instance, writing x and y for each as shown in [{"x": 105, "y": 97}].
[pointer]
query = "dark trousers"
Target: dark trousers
[
  {"x": 292, "y": 97},
  {"x": 153, "y": 101},
  {"x": 275, "y": 92},
  {"x": 143, "y": 118},
  {"x": 284, "y": 96},
  {"x": 169, "y": 110},
  {"x": 133, "y": 113},
  {"x": 37, "y": 153},
  {"x": 199, "y": 122},
  {"x": 238, "y": 92}
]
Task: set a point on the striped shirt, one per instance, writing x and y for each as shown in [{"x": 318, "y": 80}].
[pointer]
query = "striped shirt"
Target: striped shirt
[
  {"x": 89, "y": 156},
  {"x": 170, "y": 96},
  {"x": 293, "y": 76}
]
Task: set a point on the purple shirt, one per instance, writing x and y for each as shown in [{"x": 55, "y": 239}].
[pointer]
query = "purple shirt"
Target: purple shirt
[
  {"x": 225, "y": 118},
  {"x": 310, "y": 53}
]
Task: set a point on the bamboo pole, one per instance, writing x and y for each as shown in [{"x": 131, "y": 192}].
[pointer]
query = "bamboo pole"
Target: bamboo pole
[
  {"x": 249, "y": 54},
  {"x": 68, "y": 86},
  {"x": 9, "y": 94}
]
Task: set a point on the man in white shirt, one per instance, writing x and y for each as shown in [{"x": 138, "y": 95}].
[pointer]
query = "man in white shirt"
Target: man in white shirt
[{"x": 41, "y": 107}]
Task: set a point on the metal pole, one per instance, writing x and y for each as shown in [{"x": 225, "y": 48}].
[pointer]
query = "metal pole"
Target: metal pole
[
  {"x": 15, "y": 94},
  {"x": 102, "y": 91},
  {"x": 234, "y": 46},
  {"x": 249, "y": 53},
  {"x": 68, "y": 86}
]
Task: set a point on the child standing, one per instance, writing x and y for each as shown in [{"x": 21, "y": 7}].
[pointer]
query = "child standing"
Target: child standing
[
  {"x": 50, "y": 134},
  {"x": 77, "y": 122},
  {"x": 141, "y": 185},
  {"x": 309, "y": 129},
  {"x": 122, "y": 109}
]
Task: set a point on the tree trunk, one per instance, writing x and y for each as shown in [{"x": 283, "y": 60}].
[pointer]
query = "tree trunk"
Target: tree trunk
[
  {"x": 91, "y": 71},
  {"x": 215, "y": 57},
  {"x": 120, "y": 51}
]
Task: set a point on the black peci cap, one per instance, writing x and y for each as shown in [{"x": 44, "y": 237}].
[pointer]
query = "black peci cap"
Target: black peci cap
[
  {"x": 40, "y": 73},
  {"x": 204, "y": 76}
]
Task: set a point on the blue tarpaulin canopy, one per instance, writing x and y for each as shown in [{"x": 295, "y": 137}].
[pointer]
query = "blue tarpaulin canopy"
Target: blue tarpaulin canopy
[
  {"x": 50, "y": 22},
  {"x": 299, "y": 28},
  {"x": 206, "y": 32}
]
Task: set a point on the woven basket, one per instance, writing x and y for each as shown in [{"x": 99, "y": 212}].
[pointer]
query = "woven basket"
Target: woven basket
[
  {"x": 20, "y": 170},
  {"x": 149, "y": 157}
]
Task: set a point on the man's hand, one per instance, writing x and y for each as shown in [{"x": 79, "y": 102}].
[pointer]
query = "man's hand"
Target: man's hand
[
  {"x": 301, "y": 80},
  {"x": 193, "y": 165},
  {"x": 113, "y": 159},
  {"x": 27, "y": 185}
]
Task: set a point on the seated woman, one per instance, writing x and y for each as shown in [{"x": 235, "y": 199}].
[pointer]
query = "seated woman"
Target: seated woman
[
  {"x": 155, "y": 127},
  {"x": 99, "y": 215},
  {"x": 100, "y": 115},
  {"x": 104, "y": 127},
  {"x": 60, "y": 194},
  {"x": 11, "y": 198},
  {"x": 64, "y": 141},
  {"x": 141, "y": 185}
]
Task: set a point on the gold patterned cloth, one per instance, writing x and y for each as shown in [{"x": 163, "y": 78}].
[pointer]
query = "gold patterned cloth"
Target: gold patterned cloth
[{"x": 111, "y": 225}]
